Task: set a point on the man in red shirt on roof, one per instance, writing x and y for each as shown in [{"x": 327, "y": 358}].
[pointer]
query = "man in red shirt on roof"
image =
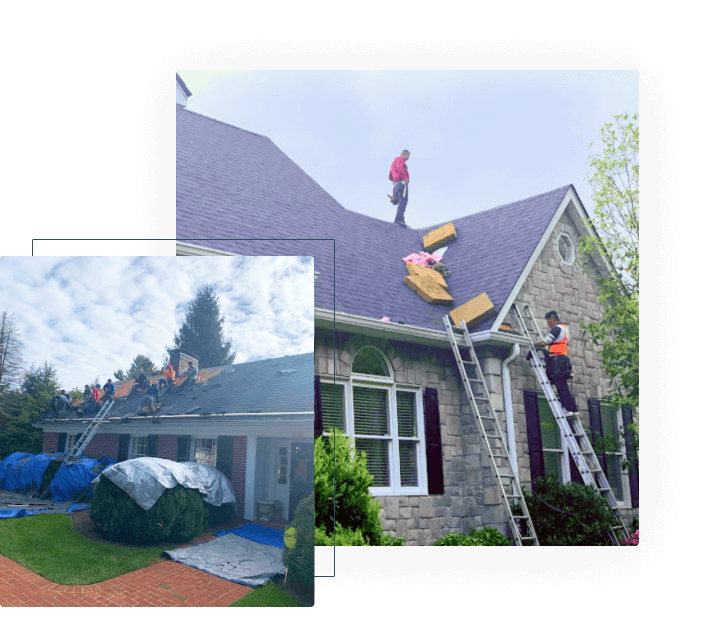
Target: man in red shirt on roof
[{"x": 398, "y": 174}]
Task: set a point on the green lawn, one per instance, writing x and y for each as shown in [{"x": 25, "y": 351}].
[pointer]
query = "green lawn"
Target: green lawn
[{"x": 49, "y": 546}]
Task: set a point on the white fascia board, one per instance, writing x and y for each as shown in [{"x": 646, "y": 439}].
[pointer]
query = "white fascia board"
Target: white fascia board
[
  {"x": 343, "y": 321},
  {"x": 187, "y": 249}
]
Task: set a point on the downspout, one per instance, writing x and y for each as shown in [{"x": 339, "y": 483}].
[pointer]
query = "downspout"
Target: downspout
[{"x": 509, "y": 418}]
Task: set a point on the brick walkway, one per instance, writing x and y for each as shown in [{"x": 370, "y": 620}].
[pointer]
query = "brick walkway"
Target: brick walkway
[{"x": 165, "y": 584}]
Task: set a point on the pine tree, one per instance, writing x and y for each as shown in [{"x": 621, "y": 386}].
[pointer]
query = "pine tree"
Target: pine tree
[{"x": 10, "y": 352}]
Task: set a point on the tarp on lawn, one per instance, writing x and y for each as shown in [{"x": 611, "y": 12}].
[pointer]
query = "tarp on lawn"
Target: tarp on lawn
[
  {"x": 145, "y": 478},
  {"x": 233, "y": 558},
  {"x": 26, "y": 473},
  {"x": 72, "y": 478},
  {"x": 10, "y": 466},
  {"x": 257, "y": 533},
  {"x": 16, "y": 513}
]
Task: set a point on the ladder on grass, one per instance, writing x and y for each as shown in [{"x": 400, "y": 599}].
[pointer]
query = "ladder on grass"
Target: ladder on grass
[
  {"x": 573, "y": 434},
  {"x": 481, "y": 405},
  {"x": 86, "y": 437}
]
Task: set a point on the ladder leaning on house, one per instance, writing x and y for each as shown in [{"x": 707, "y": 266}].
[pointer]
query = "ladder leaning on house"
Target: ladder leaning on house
[
  {"x": 86, "y": 437},
  {"x": 481, "y": 405},
  {"x": 574, "y": 436}
]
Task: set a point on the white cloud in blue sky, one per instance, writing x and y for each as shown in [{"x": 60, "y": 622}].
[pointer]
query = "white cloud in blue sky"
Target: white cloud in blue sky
[{"x": 92, "y": 315}]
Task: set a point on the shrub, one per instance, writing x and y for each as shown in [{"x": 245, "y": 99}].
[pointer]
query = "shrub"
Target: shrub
[
  {"x": 179, "y": 515},
  {"x": 355, "y": 507},
  {"x": 485, "y": 537},
  {"x": 49, "y": 474},
  {"x": 299, "y": 560},
  {"x": 569, "y": 514},
  {"x": 634, "y": 541}
]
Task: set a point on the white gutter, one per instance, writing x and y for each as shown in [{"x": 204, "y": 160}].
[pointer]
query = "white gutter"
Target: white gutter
[
  {"x": 344, "y": 321},
  {"x": 509, "y": 417}
]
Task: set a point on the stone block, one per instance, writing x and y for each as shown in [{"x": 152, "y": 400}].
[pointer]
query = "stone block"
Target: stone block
[
  {"x": 474, "y": 311},
  {"x": 492, "y": 496},
  {"x": 428, "y": 289},
  {"x": 439, "y": 238},
  {"x": 426, "y": 509}
]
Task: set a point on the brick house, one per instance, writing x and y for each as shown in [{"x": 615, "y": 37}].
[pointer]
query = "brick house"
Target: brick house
[
  {"x": 253, "y": 421},
  {"x": 432, "y": 472}
]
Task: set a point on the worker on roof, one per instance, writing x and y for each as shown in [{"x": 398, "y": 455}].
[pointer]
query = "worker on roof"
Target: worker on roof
[
  {"x": 109, "y": 390},
  {"x": 557, "y": 364},
  {"x": 61, "y": 403},
  {"x": 142, "y": 381},
  {"x": 169, "y": 377},
  {"x": 152, "y": 391},
  {"x": 91, "y": 404},
  {"x": 398, "y": 174},
  {"x": 191, "y": 374}
]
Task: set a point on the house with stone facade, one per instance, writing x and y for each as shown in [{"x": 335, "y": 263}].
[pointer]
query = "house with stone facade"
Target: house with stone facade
[
  {"x": 253, "y": 421},
  {"x": 393, "y": 385}
]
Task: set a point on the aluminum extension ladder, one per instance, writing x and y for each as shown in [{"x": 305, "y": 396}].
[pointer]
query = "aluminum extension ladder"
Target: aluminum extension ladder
[
  {"x": 496, "y": 443},
  {"x": 573, "y": 434},
  {"x": 86, "y": 437}
]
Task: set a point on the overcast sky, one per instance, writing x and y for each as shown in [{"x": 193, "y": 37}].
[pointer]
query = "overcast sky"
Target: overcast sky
[
  {"x": 478, "y": 139},
  {"x": 91, "y": 316}
]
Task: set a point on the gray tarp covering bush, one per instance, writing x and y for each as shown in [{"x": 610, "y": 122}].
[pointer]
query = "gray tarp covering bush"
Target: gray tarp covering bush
[{"x": 144, "y": 479}]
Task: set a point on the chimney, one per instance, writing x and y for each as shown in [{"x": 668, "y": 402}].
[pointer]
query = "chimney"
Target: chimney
[
  {"x": 182, "y": 92},
  {"x": 179, "y": 361}
]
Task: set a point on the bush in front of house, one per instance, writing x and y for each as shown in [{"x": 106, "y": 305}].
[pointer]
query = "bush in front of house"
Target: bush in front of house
[
  {"x": 179, "y": 515},
  {"x": 299, "y": 560},
  {"x": 569, "y": 514},
  {"x": 485, "y": 537},
  {"x": 349, "y": 505},
  {"x": 49, "y": 474}
]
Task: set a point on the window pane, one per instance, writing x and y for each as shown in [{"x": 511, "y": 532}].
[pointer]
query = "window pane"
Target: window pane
[
  {"x": 138, "y": 447},
  {"x": 205, "y": 451},
  {"x": 407, "y": 459},
  {"x": 548, "y": 426},
  {"x": 377, "y": 459},
  {"x": 608, "y": 414},
  {"x": 370, "y": 411},
  {"x": 406, "y": 414},
  {"x": 370, "y": 362},
  {"x": 553, "y": 465},
  {"x": 332, "y": 406}
]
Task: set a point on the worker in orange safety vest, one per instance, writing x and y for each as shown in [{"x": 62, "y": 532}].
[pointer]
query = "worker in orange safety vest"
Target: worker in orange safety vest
[{"x": 558, "y": 366}]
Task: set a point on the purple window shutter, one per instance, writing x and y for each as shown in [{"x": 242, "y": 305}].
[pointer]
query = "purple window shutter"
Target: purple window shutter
[
  {"x": 628, "y": 416},
  {"x": 61, "y": 442},
  {"x": 534, "y": 436},
  {"x": 152, "y": 446},
  {"x": 595, "y": 424},
  {"x": 123, "y": 447},
  {"x": 434, "y": 454},
  {"x": 318, "y": 423}
]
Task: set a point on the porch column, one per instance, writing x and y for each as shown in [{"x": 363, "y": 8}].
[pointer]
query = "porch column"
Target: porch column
[{"x": 250, "y": 478}]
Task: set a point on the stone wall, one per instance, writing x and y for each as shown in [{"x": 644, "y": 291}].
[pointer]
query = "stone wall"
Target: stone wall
[{"x": 470, "y": 498}]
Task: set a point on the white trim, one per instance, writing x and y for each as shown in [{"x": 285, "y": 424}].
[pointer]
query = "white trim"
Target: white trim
[
  {"x": 249, "y": 500},
  {"x": 188, "y": 249},
  {"x": 559, "y": 253},
  {"x": 391, "y": 388}
]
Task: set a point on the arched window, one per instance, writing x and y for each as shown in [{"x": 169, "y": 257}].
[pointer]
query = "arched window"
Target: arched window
[{"x": 370, "y": 361}]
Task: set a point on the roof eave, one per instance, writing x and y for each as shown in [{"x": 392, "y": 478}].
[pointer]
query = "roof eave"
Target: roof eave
[{"x": 343, "y": 321}]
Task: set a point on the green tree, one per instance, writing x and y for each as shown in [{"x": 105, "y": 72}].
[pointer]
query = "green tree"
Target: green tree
[
  {"x": 141, "y": 363},
  {"x": 120, "y": 375},
  {"x": 201, "y": 333},
  {"x": 41, "y": 382},
  {"x": 614, "y": 177},
  {"x": 10, "y": 352},
  {"x": 16, "y": 432}
]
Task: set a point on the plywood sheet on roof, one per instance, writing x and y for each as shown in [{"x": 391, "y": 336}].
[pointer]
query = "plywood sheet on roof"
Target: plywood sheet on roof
[
  {"x": 428, "y": 288},
  {"x": 439, "y": 238},
  {"x": 474, "y": 311},
  {"x": 416, "y": 269}
]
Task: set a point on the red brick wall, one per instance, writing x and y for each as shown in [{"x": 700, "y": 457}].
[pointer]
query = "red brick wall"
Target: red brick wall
[
  {"x": 240, "y": 455},
  {"x": 167, "y": 447},
  {"x": 103, "y": 445},
  {"x": 50, "y": 441}
]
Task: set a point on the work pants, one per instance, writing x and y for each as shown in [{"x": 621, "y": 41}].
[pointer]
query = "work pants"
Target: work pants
[{"x": 401, "y": 196}]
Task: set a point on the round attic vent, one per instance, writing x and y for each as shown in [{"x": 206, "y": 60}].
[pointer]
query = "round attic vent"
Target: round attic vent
[{"x": 565, "y": 248}]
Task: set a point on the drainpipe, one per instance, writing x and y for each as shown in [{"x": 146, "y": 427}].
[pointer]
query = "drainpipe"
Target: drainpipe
[{"x": 509, "y": 418}]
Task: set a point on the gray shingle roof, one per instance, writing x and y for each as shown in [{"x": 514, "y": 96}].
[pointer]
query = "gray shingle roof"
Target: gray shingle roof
[
  {"x": 235, "y": 184},
  {"x": 284, "y": 384}
]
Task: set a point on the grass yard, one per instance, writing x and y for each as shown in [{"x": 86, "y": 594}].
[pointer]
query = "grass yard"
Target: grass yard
[{"x": 50, "y": 546}]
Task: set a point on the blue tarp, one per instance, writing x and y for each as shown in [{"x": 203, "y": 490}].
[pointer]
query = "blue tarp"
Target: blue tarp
[
  {"x": 15, "y": 513},
  {"x": 24, "y": 471},
  {"x": 19, "y": 513},
  {"x": 257, "y": 533}
]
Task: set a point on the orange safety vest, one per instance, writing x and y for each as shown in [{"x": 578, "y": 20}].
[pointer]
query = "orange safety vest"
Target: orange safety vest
[{"x": 561, "y": 345}]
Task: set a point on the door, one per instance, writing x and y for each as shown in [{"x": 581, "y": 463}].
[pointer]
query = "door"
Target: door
[{"x": 301, "y": 474}]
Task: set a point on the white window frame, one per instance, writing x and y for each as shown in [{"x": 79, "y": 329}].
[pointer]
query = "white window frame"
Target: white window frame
[
  {"x": 571, "y": 242},
  {"x": 625, "y": 487},
  {"x": 133, "y": 441},
  {"x": 563, "y": 452},
  {"x": 194, "y": 440},
  {"x": 70, "y": 441},
  {"x": 565, "y": 463},
  {"x": 388, "y": 384}
]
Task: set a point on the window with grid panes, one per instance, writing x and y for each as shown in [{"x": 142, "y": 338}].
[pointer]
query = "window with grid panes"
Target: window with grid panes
[
  {"x": 139, "y": 447},
  {"x": 205, "y": 451},
  {"x": 553, "y": 452},
  {"x": 70, "y": 442},
  {"x": 385, "y": 421},
  {"x": 610, "y": 429}
]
